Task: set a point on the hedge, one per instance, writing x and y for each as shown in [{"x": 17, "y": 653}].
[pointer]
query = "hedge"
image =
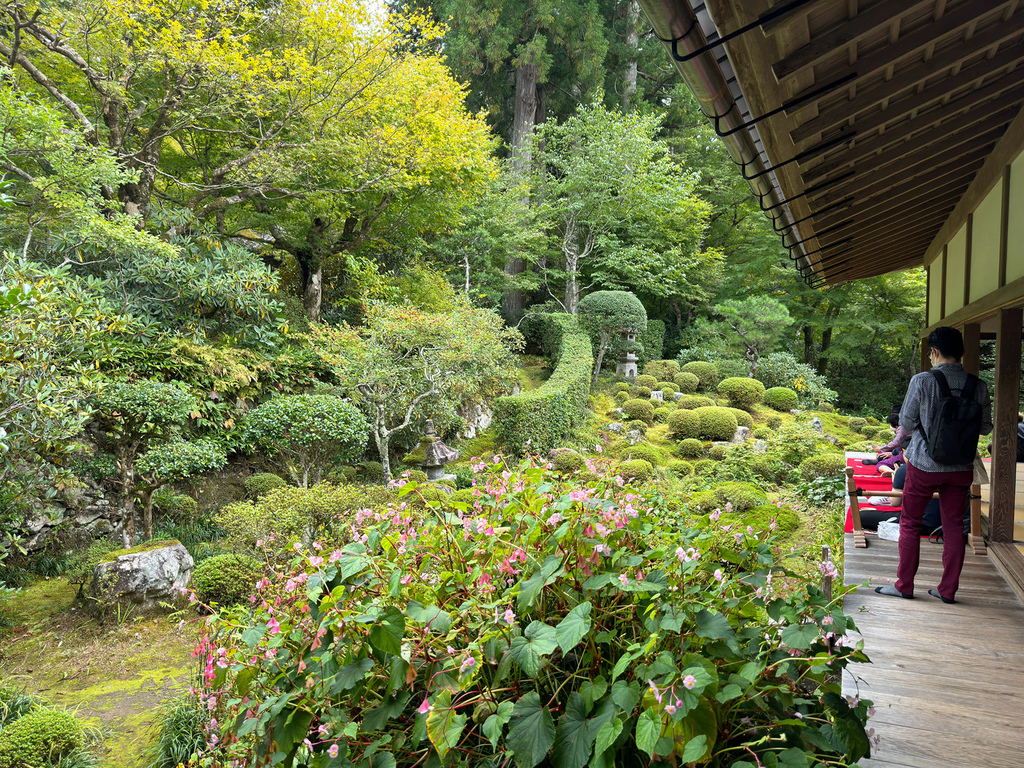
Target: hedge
[
  {"x": 694, "y": 401},
  {"x": 691, "y": 448},
  {"x": 743, "y": 419},
  {"x": 686, "y": 382},
  {"x": 644, "y": 451},
  {"x": 540, "y": 419},
  {"x": 645, "y": 380},
  {"x": 636, "y": 470},
  {"x": 641, "y": 410},
  {"x": 822, "y": 465}
]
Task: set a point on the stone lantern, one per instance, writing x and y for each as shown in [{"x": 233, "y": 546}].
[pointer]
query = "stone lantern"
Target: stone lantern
[
  {"x": 627, "y": 365},
  {"x": 432, "y": 454}
]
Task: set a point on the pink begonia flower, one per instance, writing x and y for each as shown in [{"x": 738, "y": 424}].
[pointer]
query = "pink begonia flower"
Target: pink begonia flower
[
  {"x": 316, "y": 561},
  {"x": 274, "y": 626},
  {"x": 598, "y": 448},
  {"x": 317, "y": 546},
  {"x": 689, "y": 681},
  {"x": 623, "y": 579},
  {"x": 655, "y": 691},
  {"x": 259, "y": 542},
  {"x": 728, "y": 506},
  {"x": 297, "y": 547},
  {"x": 718, "y": 574},
  {"x": 509, "y": 616},
  {"x": 670, "y": 708},
  {"x": 467, "y": 664},
  {"x": 333, "y": 751},
  {"x": 715, "y": 515}
]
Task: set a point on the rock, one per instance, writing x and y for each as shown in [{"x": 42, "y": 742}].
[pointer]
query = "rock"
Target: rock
[
  {"x": 678, "y": 396},
  {"x": 618, "y": 413},
  {"x": 478, "y": 417},
  {"x": 832, "y": 439},
  {"x": 143, "y": 578},
  {"x": 760, "y": 446},
  {"x": 741, "y": 434},
  {"x": 635, "y": 436},
  {"x": 658, "y": 395},
  {"x": 816, "y": 424},
  {"x": 614, "y": 426}
]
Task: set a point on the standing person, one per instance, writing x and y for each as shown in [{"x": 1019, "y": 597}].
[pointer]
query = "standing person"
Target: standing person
[{"x": 940, "y": 458}]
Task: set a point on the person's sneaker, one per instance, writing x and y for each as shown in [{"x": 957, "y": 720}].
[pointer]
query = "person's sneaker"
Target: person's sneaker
[{"x": 879, "y": 501}]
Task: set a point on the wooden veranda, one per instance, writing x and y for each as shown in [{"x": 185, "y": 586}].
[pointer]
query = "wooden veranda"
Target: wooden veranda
[{"x": 945, "y": 679}]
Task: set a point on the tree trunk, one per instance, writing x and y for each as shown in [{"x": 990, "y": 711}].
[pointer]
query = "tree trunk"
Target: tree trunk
[
  {"x": 147, "y": 515},
  {"x": 312, "y": 268},
  {"x": 128, "y": 495},
  {"x": 826, "y": 342},
  {"x": 632, "y": 43},
  {"x": 523, "y": 123},
  {"x": 808, "y": 344},
  {"x": 385, "y": 458},
  {"x": 605, "y": 343}
]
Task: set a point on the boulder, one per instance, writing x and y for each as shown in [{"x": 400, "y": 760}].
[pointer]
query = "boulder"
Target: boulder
[
  {"x": 614, "y": 426},
  {"x": 741, "y": 434},
  {"x": 635, "y": 436},
  {"x": 816, "y": 424},
  {"x": 143, "y": 576},
  {"x": 477, "y": 417}
]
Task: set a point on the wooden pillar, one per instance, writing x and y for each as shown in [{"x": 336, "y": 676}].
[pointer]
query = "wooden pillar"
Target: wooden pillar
[
  {"x": 1004, "y": 438},
  {"x": 972, "y": 347},
  {"x": 926, "y": 361},
  {"x": 851, "y": 493}
]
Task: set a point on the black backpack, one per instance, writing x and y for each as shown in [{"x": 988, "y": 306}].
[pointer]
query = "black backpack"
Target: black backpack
[{"x": 956, "y": 423}]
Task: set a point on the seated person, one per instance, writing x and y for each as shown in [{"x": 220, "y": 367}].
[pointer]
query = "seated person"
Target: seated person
[
  {"x": 870, "y": 518},
  {"x": 890, "y": 455}
]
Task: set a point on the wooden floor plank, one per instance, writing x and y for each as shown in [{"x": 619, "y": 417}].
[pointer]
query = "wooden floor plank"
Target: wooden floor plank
[{"x": 945, "y": 679}]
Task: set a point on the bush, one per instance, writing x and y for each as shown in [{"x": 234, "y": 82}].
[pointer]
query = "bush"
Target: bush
[
  {"x": 621, "y": 397},
  {"x": 683, "y": 424},
  {"x": 40, "y": 737},
  {"x": 567, "y": 461},
  {"x": 760, "y": 519},
  {"x": 416, "y": 476},
  {"x": 742, "y": 497},
  {"x": 780, "y": 398},
  {"x": 176, "y": 506},
  {"x": 795, "y": 442},
  {"x": 662, "y": 369},
  {"x": 685, "y": 382},
  {"x": 372, "y": 472},
  {"x": 662, "y": 414},
  {"x": 262, "y": 483},
  {"x": 884, "y": 435},
  {"x": 79, "y": 572},
  {"x": 730, "y": 367},
  {"x": 761, "y": 433},
  {"x": 871, "y": 433},
  {"x": 717, "y": 452},
  {"x": 856, "y": 423},
  {"x": 652, "y": 339},
  {"x": 667, "y": 386},
  {"x": 225, "y": 579},
  {"x": 769, "y": 469},
  {"x": 773, "y": 422},
  {"x": 640, "y": 410},
  {"x": 643, "y": 392},
  {"x": 781, "y": 369},
  {"x": 743, "y": 419},
  {"x": 180, "y": 732},
  {"x": 691, "y": 448},
  {"x": 704, "y": 467},
  {"x": 691, "y": 402},
  {"x": 621, "y": 386},
  {"x": 822, "y": 465},
  {"x": 644, "y": 451},
  {"x": 716, "y": 423},
  {"x": 742, "y": 392},
  {"x": 636, "y": 470},
  {"x": 668, "y": 394},
  {"x": 546, "y": 416},
  {"x": 706, "y": 373},
  {"x": 863, "y": 446},
  {"x": 646, "y": 381},
  {"x": 680, "y": 467}
]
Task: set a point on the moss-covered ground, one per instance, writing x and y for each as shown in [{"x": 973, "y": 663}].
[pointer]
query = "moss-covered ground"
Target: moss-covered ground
[{"x": 113, "y": 672}]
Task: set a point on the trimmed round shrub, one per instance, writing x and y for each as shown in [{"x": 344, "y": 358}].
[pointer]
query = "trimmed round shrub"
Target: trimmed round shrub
[
  {"x": 177, "y": 506},
  {"x": 429, "y": 495},
  {"x": 668, "y": 394},
  {"x": 716, "y": 423},
  {"x": 704, "y": 467},
  {"x": 825, "y": 407},
  {"x": 621, "y": 386},
  {"x": 873, "y": 421},
  {"x": 742, "y": 392},
  {"x": 621, "y": 397},
  {"x": 884, "y": 435},
  {"x": 662, "y": 414},
  {"x": 567, "y": 461},
  {"x": 639, "y": 426},
  {"x": 780, "y": 398},
  {"x": 683, "y": 424},
  {"x": 680, "y": 467},
  {"x": 691, "y": 402},
  {"x": 822, "y": 465},
  {"x": 761, "y": 433},
  {"x": 691, "y": 448},
  {"x": 862, "y": 446},
  {"x": 717, "y": 452},
  {"x": 662, "y": 369},
  {"x": 41, "y": 737},
  {"x": 416, "y": 476},
  {"x": 768, "y": 469},
  {"x": 760, "y": 519},
  {"x": 773, "y": 422},
  {"x": 464, "y": 496},
  {"x": 743, "y": 419},
  {"x": 685, "y": 382},
  {"x": 856, "y": 423},
  {"x": 666, "y": 385},
  {"x": 644, "y": 451},
  {"x": 870, "y": 432},
  {"x": 742, "y": 497},
  {"x": 646, "y": 381},
  {"x": 640, "y": 410},
  {"x": 372, "y": 471},
  {"x": 643, "y": 392},
  {"x": 636, "y": 470},
  {"x": 226, "y": 579},
  {"x": 262, "y": 483},
  {"x": 706, "y": 373}
]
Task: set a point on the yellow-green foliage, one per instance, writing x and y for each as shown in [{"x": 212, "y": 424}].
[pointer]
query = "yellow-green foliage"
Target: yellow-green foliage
[
  {"x": 680, "y": 467},
  {"x": 683, "y": 424},
  {"x": 636, "y": 470},
  {"x": 741, "y": 391},
  {"x": 177, "y": 506},
  {"x": 262, "y": 483},
  {"x": 743, "y": 418},
  {"x": 822, "y": 465},
  {"x": 870, "y": 432},
  {"x": 716, "y": 423},
  {"x": 856, "y": 423},
  {"x": 863, "y": 446},
  {"x": 646, "y": 381},
  {"x": 621, "y": 397},
  {"x": 662, "y": 369},
  {"x": 704, "y": 467},
  {"x": 621, "y": 386},
  {"x": 644, "y": 451},
  {"x": 643, "y": 392},
  {"x": 640, "y": 410},
  {"x": 666, "y": 386},
  {"x": 662, "y": 414},
  {"x": 41, "y": 737},
  {"x": 691, "y": 448},
  {"x": 567, "y": 461},
  {"x": 144, "y": 547},
  {"x": 760, "y": 518},
  {"x": 761, "y": 433},
  {"x": 692, "y": 402},
  {"x": 288, "y": 513},
  {"x": 225, "y": 579},
  {"x": 717, "y": 452},
  {"x": 685, "y": 382},
  {"x": 706, "y": 373},
  {"x": 371, "y": 472},
  {"x": 780, "y": 398},
  {"x": 773, "y": 422},
  {"x": 769, "y": 469},
  {"x": 463, "y": 496},
  {"x": 742, "y": 496}
]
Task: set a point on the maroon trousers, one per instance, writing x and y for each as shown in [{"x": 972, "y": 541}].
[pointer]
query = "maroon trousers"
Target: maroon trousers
[{"x": 953, "y": 489}]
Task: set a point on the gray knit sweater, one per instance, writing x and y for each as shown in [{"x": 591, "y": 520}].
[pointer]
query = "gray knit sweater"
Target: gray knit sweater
[{"x": 919, "y": 406}]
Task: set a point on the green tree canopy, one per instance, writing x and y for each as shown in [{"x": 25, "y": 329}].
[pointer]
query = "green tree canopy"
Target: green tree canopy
[{"x": 606, "y": 314}]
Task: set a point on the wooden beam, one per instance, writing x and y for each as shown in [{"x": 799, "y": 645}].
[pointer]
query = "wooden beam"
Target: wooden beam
[
  {"x": 894, "y": 256},
  {"x": 1004, "y": 227},
  {"x": 895, "y": 216},
  {"x": 844, "y": 33},
  {"x": 1004, "y": 439},
  {"x": 972, "y": 347},
  {"x": 967, "y": 260},
  {"x": 985, "y": 307},
  {"x": 839, "y": 112},
  {"x": 942, "y": 288},
  {"x": 926, "y": 358},
  {"x": 892, "y": 236}
]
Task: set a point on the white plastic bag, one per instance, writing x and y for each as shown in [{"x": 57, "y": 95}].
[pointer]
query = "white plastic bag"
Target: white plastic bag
[{"x": 889, "y": 530}]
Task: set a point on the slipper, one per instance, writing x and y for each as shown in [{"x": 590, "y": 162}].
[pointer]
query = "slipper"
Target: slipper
[
  {"x": 891, "y": 591},
  {"x": 869, "y": 462},
  {"x": 935, "y": 593}
]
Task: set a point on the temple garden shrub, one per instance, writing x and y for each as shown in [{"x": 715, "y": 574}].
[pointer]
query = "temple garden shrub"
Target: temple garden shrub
[
  {"x": 181, "y": 732},
  {"x": 636, "y": 470},
  {"x": 567, "y": 461},
  {"x": 178, "y": 507},
  {"x": 691, "y": 448},
  {"x": 781, "y": 369},
  {"x": 761, "y": 518},
  {"x": 262, "y": 483},
  {"x": 646, "y": 381},
  {"x": 644, "y": 451},
  {"x": 706, "y": 373},
  {"x": 730, "y": 496},
  {"x": 743, "y": 419},
  {"x": 621, "y": 386},
  {"x": 685, "y": 382},
  {"x": 730, "y": 367},
  {"x": 668, "y": 393},
  {"x": 716, "y": 423},
  {"x": 680, "y": 467},
  {"x": 691, "y": 402},
  {"x": 466, "y": 496},
  {"x": 652, "y": 339},
  {"x": 870, "y": 432},
  {"x": 597, "y": 621},
  {"x": 761, "y": 433},
  {"x": 662, "y": 369},
  {"x": 640, "y": 410},
  {"x": 822, "y": 465},
  {"x": 621, "y": 397},
  {"x": 856, "y": 423},
  {"x": 795, "y": 442},
  {"x": 371, "y": 472},
  {"x": 703, "y": 467},
  {"x": 773, "y": 422},
  {"x": 666, "y": 385},
  {"x": 225, "y": 579},
  {"x": 662, "y": 414},
  {"x": 884, "y": 435},
  {"x": 547, "y": 415},
  {"x": 742, "y": 392},
  {"x": 717, "y": 452},
  {"x": 780, "y": 398},
  {"x": 643, "y": 392},
  {"x": 41, "y": 737},
  {"x": 683, "y": 424},
  {"x": 861, "y": 446},
  {"x": 603, "y": 315},
  {"x": 769, "y": 469},
  {"x": 637, "y": 424}
]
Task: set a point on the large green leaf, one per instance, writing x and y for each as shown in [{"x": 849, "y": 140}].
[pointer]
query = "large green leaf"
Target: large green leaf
[
  {"x": 494, "y": 724},
  {"x": 607, "y": 735},
  {"x": 573, "y": 738},
  {"x": 574, "y": 627},
  {"x": 648, "y": 731},
  {"x": 532, "y": 731},
  {"x": 444, "y": 726},
  {"x": 714, "y": 626},
  {"x": 800, "y": 635},
  {"x": 695, "y": 749},
  {"x": 527, "y": 649},
  {"x": 530, "y": 589},
  {"x": 430, "y": 616},
  {"x": 626, "y": 695},
  {"x": 351, "y": 674},
  {"x": 386, "y": 635}
]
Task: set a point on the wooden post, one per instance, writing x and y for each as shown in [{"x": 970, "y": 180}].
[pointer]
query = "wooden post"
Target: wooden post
[
  {"x": 1004, "y": 437},
  {"x": 926, "y": 361},
  {"x": 972, "y": 347},
  {"x": 826, "y": 579},
  {"x": 975, "y": 539},
  {"x": 851, "y": 493}
]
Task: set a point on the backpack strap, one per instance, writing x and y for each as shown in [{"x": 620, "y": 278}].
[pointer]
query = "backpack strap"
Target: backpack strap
[
  {"x": 971, "y": 385},
  {"x": 940, "y": 379}
]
